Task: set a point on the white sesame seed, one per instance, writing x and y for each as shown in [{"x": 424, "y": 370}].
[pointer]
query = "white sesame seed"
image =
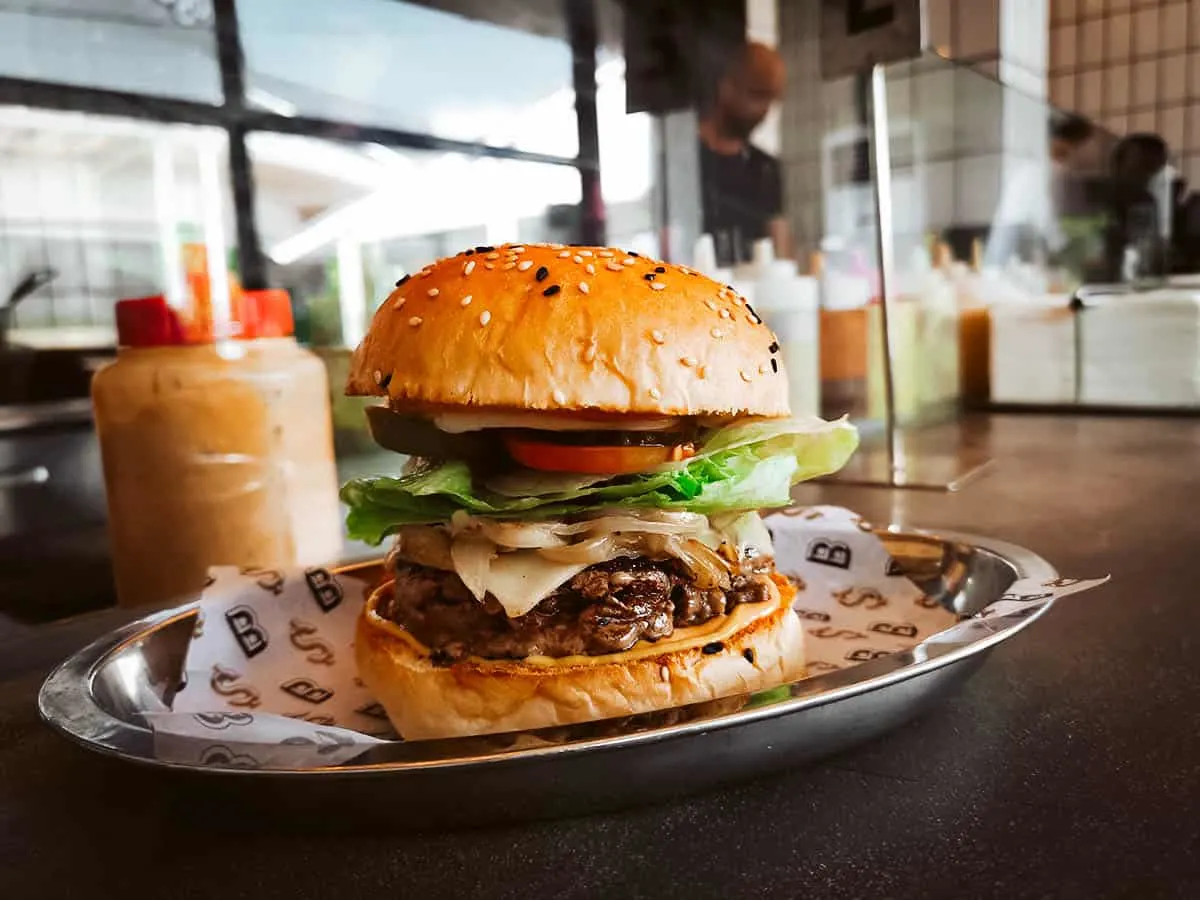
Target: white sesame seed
[
  {"x": 377, "y": 375},
  {"x": 604, "y": 253},
  {"x": 590, "y": 269},
  {"x": 415, "y": 321},
  {"x": 589, "y": 353},
  {"x": 508, "y": 265},
  {"x": 664, "y": 673},
  {"x": 657, "y": 286},
  {"x": 614, "y": 267},
  {"x": 655, "y": 393},
  {"x": 710, "y": 305},
  {"x": 583, "y": 287},
  {"x": 524, "y": 264},
  {"x": 687, "y": 361},
  {"x": 762, "y": 370},
  {"x": 517, "y": 250},
  {"x": 717, "y": 332},
  {"x": 489, "y": 265},
  {"x": 585, "y": 252},
  {"x": 564, "y": 254},
  {"x": 425, "y": 273},
  {"x": 725, "y": 314},
  {"x": 465, "y": 301},
  {"x": 577, "y": 259},
  {"x": 658, "y": 337},
  {"x": 742, "y": 372},
  {"x": 559, "y": 397},
  {"x": 399, "y": 302},
  {"x": 469, "y": 267},
  {"x": 627, "y": 261},
  {"x": 485, "y": 317},
  {"x": 433, "y": 292},
  {"x": 750, "y": 319},
  {"x": 492, "y": 256}
]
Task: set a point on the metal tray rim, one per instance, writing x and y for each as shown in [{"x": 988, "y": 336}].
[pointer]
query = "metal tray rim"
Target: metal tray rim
[{"x": 73, "y": 679}]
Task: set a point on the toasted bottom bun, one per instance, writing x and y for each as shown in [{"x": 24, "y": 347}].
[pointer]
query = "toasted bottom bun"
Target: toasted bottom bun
[{"x": 758, "y": 646}]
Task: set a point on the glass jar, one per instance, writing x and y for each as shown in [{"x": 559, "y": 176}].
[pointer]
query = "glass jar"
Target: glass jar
[{"x": 214, "y": 452}]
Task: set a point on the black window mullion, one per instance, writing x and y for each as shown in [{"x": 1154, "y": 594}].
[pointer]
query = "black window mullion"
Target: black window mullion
[
  {"x": 582, "y": 29},
  {"x": 231, "y": 58}
]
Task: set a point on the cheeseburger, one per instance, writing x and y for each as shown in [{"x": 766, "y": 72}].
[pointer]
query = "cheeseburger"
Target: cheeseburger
[{"x": 576, "y": 534}]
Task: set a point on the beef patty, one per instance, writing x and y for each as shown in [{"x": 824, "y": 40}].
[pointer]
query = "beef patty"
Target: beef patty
[{"x": 606, "y": 608}]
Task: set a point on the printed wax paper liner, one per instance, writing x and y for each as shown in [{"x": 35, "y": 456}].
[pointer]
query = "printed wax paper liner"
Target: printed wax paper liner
[{"x": 270, "y": 678}]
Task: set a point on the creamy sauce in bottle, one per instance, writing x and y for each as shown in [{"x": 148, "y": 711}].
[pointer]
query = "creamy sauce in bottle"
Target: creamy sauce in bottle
[{"x": 215, "y": 453}]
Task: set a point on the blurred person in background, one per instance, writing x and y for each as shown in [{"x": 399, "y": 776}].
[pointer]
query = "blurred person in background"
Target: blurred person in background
[
  {"x": 1033, "y": 200},
  {"x": 741, "y": 185}
]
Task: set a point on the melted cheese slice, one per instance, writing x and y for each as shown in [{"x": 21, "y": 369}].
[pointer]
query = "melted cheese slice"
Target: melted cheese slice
[
  {"x": 521, "y": 580},
  {"x": 721, "y": 628}
]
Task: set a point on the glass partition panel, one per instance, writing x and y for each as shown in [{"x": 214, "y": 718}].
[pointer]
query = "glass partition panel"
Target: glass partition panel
[{"x": 1034, "y": 253}]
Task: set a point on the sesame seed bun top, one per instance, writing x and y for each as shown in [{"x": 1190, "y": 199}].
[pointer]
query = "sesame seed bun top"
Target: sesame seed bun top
[{"x": 548, "y": 327}]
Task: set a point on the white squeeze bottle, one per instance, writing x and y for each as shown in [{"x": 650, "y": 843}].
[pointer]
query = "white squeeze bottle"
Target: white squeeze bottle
[{"x": 789, "y": 304}]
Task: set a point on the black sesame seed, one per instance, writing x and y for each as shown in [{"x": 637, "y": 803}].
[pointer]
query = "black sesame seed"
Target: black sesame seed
[
  {"x": 755, "y": 316},
  {"x": 774, "y": 364},
  {"x": 693, "y": 272},
  {"x": 635, "y": 255},
  {"x": 470, "y": 253},
  {"x": 729, "y": 287},
  {"x": 484, "y": 249},
  {"x": 385, "y": 380},
  {"x": 551, "y": 291},
  {"x": 748, "y": 655},
  {"x": 714, "y": 647},
  {"x": 541, "y": 273},
  {"x": 659, "y": 269},
  {"x": 402, "y": 280},
  {"x": 774, "y": 348},
  {"x": 649, "y": 276}
]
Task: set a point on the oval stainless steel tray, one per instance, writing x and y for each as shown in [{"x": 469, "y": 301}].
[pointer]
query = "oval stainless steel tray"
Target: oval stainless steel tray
[{"x": 98, "y": 697}]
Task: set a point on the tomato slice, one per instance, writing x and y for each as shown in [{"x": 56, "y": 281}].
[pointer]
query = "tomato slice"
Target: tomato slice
[{"x": 548, "y": 457}]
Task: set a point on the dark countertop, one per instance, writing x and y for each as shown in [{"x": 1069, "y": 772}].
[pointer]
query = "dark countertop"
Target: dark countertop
[{"x": 1069, "y": 766}]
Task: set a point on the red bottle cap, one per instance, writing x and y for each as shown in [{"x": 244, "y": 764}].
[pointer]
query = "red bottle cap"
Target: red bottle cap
[
  {"x": 148, "y": 322},
  {"x": 267, "y": 314}
]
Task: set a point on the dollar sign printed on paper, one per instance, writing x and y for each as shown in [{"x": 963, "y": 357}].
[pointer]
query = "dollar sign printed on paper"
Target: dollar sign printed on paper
[
  {"x": 225, "y": 682},
  {"x": 304, "y": 638},
  {"x": 826, "y": 631}
]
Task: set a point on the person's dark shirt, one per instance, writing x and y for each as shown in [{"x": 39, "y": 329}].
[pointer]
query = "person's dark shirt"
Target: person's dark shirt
[{"x": 741, "y": 193}]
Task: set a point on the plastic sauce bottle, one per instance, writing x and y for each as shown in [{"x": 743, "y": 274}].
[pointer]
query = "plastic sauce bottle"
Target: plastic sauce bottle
[
  {"x": 790, "y": 304},
  {"x": 214, "y": 452}
]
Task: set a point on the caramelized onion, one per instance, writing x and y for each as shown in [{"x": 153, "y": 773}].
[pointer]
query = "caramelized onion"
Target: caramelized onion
[
  {"x": 470, "y": 545},
  {"x": 426, "y": 545}
]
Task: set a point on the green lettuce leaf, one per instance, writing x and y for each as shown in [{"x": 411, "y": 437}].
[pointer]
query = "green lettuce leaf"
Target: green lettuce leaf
[{"x": 748, "y": 465}]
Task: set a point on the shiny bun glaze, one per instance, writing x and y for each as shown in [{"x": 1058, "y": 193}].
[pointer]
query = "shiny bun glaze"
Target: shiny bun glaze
[{"x": 553, "y": 328}]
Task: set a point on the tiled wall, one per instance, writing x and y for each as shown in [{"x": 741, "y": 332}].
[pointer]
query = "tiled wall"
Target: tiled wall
[{"x": 1132, "y": 65}]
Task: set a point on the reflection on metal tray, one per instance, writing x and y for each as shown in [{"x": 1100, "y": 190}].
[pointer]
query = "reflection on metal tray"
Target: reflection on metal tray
[{"x": 99, "y": 695}]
